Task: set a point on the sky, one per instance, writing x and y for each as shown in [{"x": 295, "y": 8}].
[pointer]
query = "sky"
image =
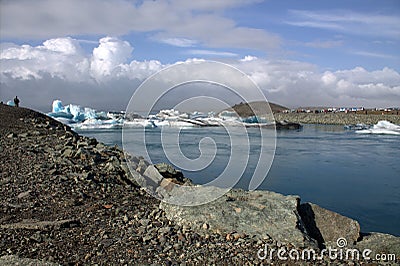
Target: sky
[{"x": 300, "y": 53}]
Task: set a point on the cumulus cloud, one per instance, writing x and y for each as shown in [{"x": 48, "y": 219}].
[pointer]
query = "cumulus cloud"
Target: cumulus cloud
[
  {"x": 107, "y": 77},
  {"x": 64, "y": 58},
  {"x": 59, "y": 68},
  {"x": 111, "y": 54},
  {"x": 66, "y": 46},
  {"x": 296, "y": 83}
]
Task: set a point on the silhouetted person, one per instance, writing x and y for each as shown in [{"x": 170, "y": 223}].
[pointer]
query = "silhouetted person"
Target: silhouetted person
[{"x": 16, "y": 101}]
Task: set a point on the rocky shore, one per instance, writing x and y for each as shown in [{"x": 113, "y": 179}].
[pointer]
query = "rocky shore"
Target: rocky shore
[
  {"x": 70, "y": 200},
  {"x": 336, "y": 118}
]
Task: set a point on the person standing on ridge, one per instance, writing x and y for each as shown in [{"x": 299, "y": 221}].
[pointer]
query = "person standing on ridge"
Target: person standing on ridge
[{"x": 16, "y": 101}]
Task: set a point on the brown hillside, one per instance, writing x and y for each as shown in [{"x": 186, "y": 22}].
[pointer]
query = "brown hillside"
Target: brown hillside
[{"x": 260, "y": 108}]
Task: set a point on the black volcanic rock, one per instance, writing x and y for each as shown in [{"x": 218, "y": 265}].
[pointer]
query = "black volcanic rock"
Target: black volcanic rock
[{"x": 256, "y": 108}]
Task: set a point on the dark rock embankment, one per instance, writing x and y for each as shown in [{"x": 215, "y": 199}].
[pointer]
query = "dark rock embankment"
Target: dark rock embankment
[{"x": 68, "y": 199}]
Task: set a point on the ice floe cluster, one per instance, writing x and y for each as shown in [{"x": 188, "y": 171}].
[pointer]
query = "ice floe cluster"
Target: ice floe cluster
[
  {"x": 84, "y": 117},
  {"x": 87, "y": 118}
]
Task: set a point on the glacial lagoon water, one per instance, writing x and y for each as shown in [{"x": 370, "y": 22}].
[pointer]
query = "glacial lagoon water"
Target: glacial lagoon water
[{"x": 353, "y": 174}]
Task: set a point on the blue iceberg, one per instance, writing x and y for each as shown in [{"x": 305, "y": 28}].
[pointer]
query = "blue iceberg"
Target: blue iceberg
[
  {"x": 82, "y": 117},
  {"x": 72, "y": 112}
]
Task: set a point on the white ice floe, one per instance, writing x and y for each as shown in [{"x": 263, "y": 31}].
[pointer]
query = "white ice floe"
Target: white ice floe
[
  {"x": 93, "y": 123},
  {"x": 382, "y": 127},
  {"x": 140, "y": 123}
]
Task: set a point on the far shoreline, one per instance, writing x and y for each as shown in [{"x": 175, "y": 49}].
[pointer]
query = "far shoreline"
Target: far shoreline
[{"x": 336, "y": 118}]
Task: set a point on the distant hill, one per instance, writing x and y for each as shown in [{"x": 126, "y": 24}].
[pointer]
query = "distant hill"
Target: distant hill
[{"x": 260, "y": 107}]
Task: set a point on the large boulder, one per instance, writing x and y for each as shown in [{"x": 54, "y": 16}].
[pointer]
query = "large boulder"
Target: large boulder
[
  {"x": 380, "y": 244},
  {"x": 153, "y": 177},
  {"x": 167, "y": 171},
  {"x": 261, "y": 213},
  {"x": 173, "y": 175},
  {"x": 326, "y": 226}
]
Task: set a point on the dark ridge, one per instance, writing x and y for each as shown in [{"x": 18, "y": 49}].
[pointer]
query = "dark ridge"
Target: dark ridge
[
  {"x": 261, "y": 107},
  {"x": 17, "y": 117}
]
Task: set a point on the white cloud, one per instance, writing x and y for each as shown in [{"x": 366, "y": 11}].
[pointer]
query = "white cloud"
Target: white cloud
[
  {"x": 172, "y": 21},
  {"x": 66, "y": 46},
  {"x": 376, "y": 55},
  {"x": 299, "y": 84},
  {"x": 211, "y": 53},
  {"x": 211, "y": 5},
  {"x": 60, "y": 57},
  {"x": 179, "y": 42},
  {"x": 143, "y": 69},
  {"x": 328, "y": 78},
  {"x": 64, "y": 58},
  {"x": 108, "y": 56},
  {"x": 248, "y": 58},
  {"x": 373, "y": 24},
  {"x": 59, "y": 68},
  {"x": 324, "y": 44}
]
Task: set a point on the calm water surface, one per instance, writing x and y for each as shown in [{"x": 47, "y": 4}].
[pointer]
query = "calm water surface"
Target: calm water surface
[{"x": 355, "y": 175}]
